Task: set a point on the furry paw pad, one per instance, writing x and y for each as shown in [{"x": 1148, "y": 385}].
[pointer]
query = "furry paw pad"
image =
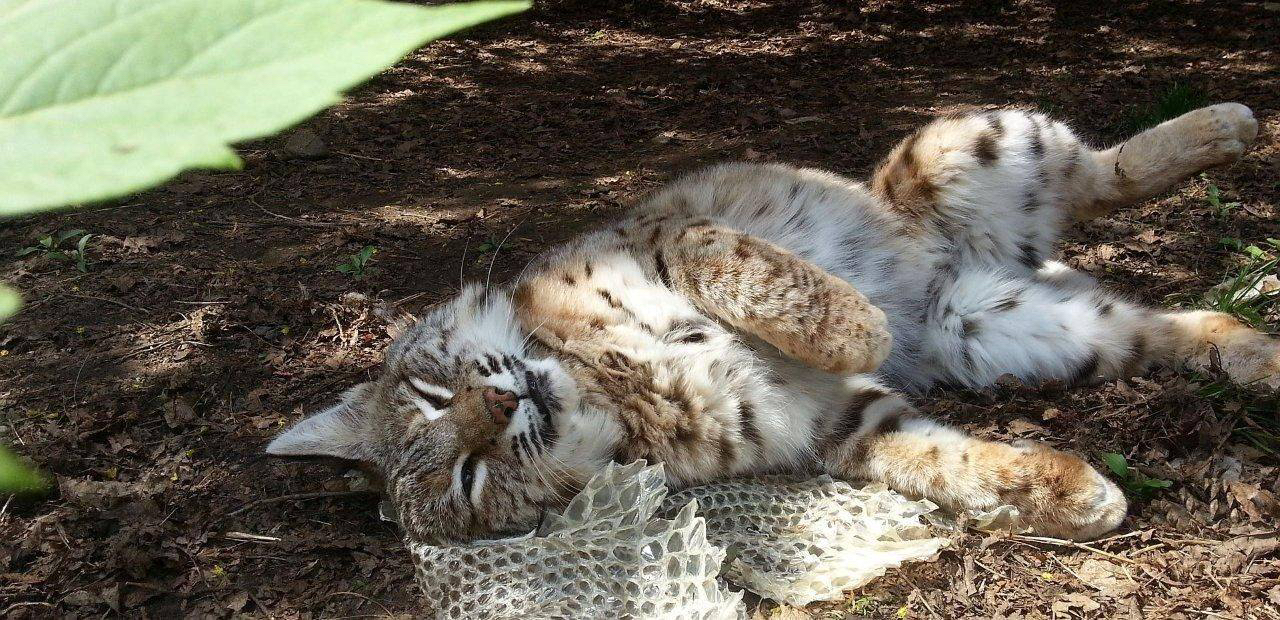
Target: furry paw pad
[{"x": 1219, "y": 134}]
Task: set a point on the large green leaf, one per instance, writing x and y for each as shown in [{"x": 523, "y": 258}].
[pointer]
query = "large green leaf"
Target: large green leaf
[
  {"x": 16, "y": 476},
  {"x": 100, "y": 98}
]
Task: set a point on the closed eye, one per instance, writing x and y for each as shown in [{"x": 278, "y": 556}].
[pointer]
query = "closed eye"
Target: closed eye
[
  {"x": 435, "y": 398},
  {"x": 471, "y": 472}
]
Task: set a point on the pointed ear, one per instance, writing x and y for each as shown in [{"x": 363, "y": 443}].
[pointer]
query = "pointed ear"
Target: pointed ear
[{"x": 340, "y": 431}]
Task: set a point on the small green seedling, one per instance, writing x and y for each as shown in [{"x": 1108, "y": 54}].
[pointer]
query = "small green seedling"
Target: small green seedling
[
  {"x": 863, "y": 605},
  {"x": 357, "y": 265},
  {"x": 51, "y": 246},
  {"x": 1136, "y": 484},
  {"x": 1220, "y": 209}
]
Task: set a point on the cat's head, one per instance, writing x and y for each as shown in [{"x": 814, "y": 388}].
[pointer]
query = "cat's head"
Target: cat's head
[{"x": 469, "y": 431}]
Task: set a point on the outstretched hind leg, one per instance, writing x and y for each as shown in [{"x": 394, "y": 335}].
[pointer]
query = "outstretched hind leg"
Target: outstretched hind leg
[
  {"x": 985, "y": 323},
  {"x": 1156, "y": 159},
  {"x": 997, "y": 188}
]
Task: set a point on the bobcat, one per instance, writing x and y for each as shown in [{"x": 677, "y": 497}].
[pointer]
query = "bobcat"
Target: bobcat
[{"x": 762, "y": 318}]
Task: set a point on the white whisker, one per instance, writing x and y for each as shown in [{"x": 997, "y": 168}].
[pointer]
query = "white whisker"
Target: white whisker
[
  {"x": 494, "y": 259},
  {"x": 462, "y": 266},
  {"x": 525, "y": 342}
]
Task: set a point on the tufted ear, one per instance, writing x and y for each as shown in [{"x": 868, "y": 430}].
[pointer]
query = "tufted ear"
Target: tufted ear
[{"x": 340, "y": 431}]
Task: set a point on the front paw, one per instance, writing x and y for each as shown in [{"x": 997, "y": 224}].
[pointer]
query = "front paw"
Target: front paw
[
  {"x": 856, "y": 334},
  {"x": 1062, "y": 496}
]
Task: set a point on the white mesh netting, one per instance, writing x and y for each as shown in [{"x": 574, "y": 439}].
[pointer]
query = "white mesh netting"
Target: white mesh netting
[{"x": 622, "y": 548}]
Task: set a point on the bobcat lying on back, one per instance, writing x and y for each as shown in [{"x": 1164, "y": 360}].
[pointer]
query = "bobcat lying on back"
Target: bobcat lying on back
[{"x": 752, "y": 318}]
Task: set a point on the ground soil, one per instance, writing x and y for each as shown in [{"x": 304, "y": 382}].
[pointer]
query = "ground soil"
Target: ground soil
[{"x": 212, "y": 313}]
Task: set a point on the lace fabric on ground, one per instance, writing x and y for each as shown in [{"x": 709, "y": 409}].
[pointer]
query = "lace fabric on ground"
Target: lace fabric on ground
[{"x": 623, "y": 548}]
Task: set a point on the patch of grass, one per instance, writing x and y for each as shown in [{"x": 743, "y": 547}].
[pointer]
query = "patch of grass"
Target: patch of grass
[
  {"x": 51, "y": 246},
  {"x": 357, "y": 265},
  {"x": 1048, "y": 107},
  {"x": 1135, "y": 483},
  {"x": 1178, "y": 100},
  {"x": 1240, "y": 297},
  {"x": 1257, "y": 423}
]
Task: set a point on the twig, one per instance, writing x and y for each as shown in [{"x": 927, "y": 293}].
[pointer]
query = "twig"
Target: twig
[
  {"x": 357, "y": 594},
  {"x": 296, "y": 497},
  {"x": 1119, "y": 536},
  {"x": 344, "y": 153},
  {"x": 342, "y": 336},
  {"x": 1211, "y": 614},
  {"x": 196, "y": 565},
  {"x": 110, "y": 301},
  {"x": 928, "y": 606},
  {"x": 14, "y": 606},
  {"x": 247, "y": 537},
  {"x": 1072, "y": 544},
  {"x": 1068, "y": 569},
  {"x": 294, "y": 219}
]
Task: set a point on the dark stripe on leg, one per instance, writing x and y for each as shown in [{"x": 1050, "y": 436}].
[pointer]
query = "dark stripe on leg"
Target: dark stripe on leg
[
  {"x": 1029, "y": 256},
  {"x": 747, "y": 424},
  {"x": 1087, "y": 371},
  {"x": 891, "y": 422},
  {"x": 984, "y": 149},
  {"x": 661, "y": 265},
  {"x": 850, "y": 420}
]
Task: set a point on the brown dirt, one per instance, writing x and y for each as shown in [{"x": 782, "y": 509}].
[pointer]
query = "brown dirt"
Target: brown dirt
[{"x": 212, "y": 313}]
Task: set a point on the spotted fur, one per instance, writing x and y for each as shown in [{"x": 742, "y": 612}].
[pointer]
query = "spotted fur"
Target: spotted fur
[{"x": 763, "y": 318}]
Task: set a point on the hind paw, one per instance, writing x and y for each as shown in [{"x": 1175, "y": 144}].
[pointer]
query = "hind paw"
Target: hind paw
[{"x": 1218, "y": 134}]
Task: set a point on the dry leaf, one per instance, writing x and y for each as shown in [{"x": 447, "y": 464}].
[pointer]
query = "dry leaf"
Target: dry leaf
[
  {"x": 1106, "y": 577},
  {"x": 1063, "y": 607}
]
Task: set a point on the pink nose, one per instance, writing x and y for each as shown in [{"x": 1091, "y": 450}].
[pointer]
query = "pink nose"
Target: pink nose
[{"x": 500, "y": 405}]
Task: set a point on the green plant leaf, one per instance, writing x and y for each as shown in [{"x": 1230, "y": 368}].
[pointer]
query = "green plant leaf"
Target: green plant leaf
[
  {"x": 15, "y": 476},
  {"x": 67, "y": 234},
  {"x": 1214, "y": 195},
  {"x": 100, "y": 98},
  {"x": 1116, "y": 463},
  {"x": 1157, "y": 483}
]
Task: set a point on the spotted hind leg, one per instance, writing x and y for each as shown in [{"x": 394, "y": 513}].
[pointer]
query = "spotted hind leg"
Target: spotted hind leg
[
  {"x": 997, "y": 189},
  {"x": 1156, "y": 159},
  {"x": 1057, "y": 325}
]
